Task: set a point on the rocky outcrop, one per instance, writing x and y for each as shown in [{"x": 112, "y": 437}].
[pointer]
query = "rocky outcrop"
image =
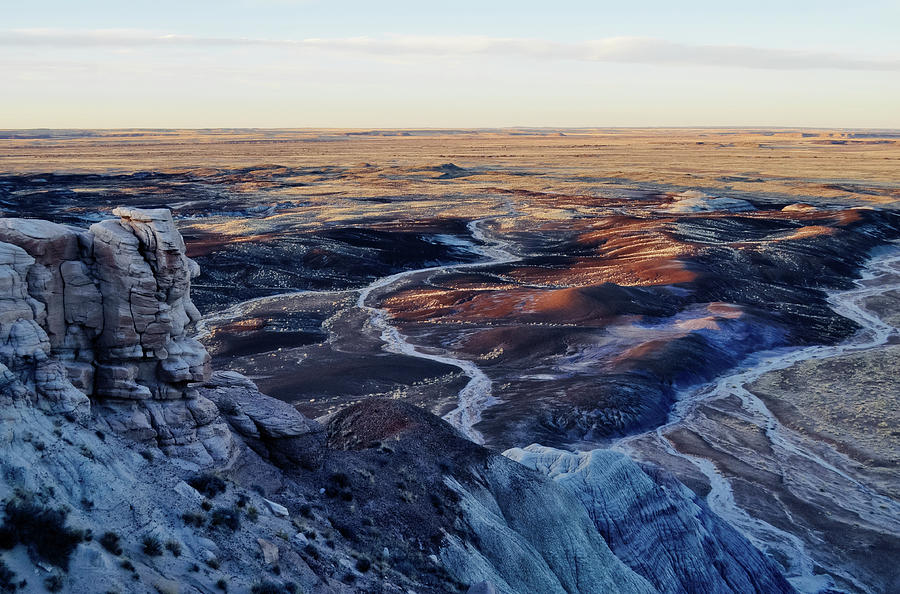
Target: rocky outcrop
[
  {"x": 95, "y": 324},
  {"x": 656, "y": 525},
  {"x": 556, "y": 522},
  {"x": 271, "y": 427},
  {"x": 29, "y": 372},
  {"x": 602, "y": 523},
  {"x": 103, "y": 313}
]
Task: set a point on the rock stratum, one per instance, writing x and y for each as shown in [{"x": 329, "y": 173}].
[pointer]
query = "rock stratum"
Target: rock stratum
[
  {"x": 139, "y": 470},
  {"x": 101, "y": 313}
]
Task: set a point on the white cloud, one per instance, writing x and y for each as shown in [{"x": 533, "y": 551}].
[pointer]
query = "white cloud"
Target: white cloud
[{"x": 615, "y": 49}]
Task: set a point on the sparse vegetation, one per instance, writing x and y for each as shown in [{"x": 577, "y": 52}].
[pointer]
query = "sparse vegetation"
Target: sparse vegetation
[
  {"x": 111, "y": 542},
  {"x": 343, "y": 529},
  {"x": 174, "y": 547},
  {"x": 42, "y": 529},
  {"x": 7, "y": 578},
  {"x": 268, "y": 587},
  {"x": 339, "y": 486},
  {"x": 363, "y": 564},
  {"x": 252, "y": 513},
  {"x": 151, "y": 546},
  {"x": 54, "y": 583},
  {"x": 228, "y": 518},
  {"x": 208, "y": 484},
  {"x": 193, "y": 519}
]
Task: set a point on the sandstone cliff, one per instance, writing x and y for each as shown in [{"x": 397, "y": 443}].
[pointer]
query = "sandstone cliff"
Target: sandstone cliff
[{"x": 102, "y": 314}]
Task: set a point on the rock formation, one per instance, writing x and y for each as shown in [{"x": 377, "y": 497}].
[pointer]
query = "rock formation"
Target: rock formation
[
  {"x": 103, "y": 314},
  {"x": 556, "y": 522},
  {"x": 94, "y": 340},
  {"x": 272, "y": 428},
  {"x": 650, "y": 516}
]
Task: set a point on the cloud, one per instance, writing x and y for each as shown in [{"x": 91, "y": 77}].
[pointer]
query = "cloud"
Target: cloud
[{"x": 637, "y": 50}]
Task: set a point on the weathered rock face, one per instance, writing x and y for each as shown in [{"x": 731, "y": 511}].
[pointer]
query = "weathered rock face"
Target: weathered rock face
[
  {"x": 556, "y": 522},
  {"x": 271, "y": 427},
  {"x": 656, "y": 525},
  {"x": 103, "y": 313}
]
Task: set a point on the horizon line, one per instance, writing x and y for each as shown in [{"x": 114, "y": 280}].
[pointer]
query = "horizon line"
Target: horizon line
[{"x": 457, "y": 128}]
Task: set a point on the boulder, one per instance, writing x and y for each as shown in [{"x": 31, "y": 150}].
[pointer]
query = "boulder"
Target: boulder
[{"x": 273, "y": 428}]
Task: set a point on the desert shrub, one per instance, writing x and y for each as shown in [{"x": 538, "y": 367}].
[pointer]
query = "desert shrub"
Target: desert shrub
[
  {"x": 222, "y": 585},
  {"x": 208, "y": 484},
  {"x": 54, "y": 583},
  {"x": 206, "y": 505},
  {"x": 151, "y": 546},
  {"x": 174, "y": 547},
  {"x": 8, "y": 538},
  {"x": 363, "y": 564},
  {"x": 213, "y": 562},
  {"x": 100, "y": 435},
  {"x": 339, "y": 479},
  {"x": 110, "y": 541},
  {"x": 193, "y": 519},
  {"x": 223, "y": 516},
  {"x": 268, "y": 587},
  {"x": 242, "y": 500},
  {"x": 7, "y": 578},
  {"x": 252, "y": 513},
  {"x": 147, "y": 455},
  {"x": 127, "y": 565},
  {"x": 344, "y": 529},
  {"x": 42, "y": 529}
]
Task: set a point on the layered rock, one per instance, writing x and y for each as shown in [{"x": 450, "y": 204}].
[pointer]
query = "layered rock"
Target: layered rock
[
  {"x": 103, "y": 313},
  {"x": 556, "y": 522},
  {"x": 271, "y": 427},
  {"x": 655, "y": 525}
]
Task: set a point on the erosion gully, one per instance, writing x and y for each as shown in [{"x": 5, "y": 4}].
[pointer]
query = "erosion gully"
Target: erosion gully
[{"x": 882, "y": 274}]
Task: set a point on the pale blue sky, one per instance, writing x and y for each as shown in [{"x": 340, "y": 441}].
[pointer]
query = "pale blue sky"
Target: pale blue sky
[{"x": 297, "y": 63}]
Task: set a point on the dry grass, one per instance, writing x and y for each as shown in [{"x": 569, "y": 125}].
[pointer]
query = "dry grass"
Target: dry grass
[{"x": 786, "y": 162}]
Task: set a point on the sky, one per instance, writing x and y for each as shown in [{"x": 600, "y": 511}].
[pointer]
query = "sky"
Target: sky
[{"x": 406, "y": 64}]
